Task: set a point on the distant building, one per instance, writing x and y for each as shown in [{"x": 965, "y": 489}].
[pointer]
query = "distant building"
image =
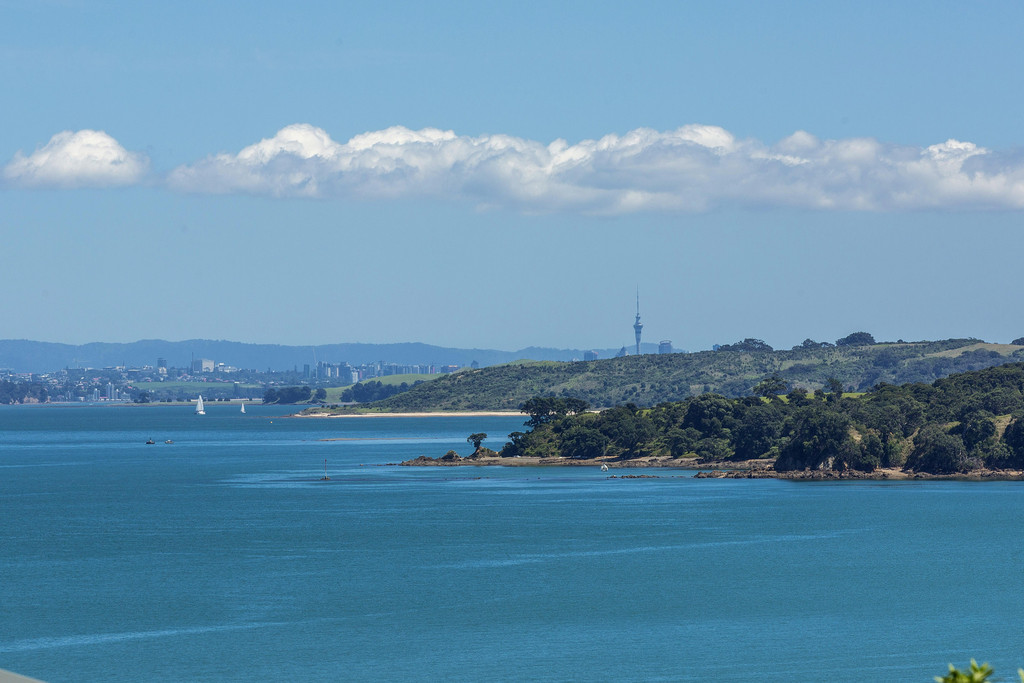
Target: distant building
[
  {"x": 622, "y": 352},
  {"x": 161, "y": 363},
  {"x": 665, "y": 346},
  {"x": 638, "y": 326},
  {"x": 202, "y": 365},
  {"x": 590, "y": 355}
]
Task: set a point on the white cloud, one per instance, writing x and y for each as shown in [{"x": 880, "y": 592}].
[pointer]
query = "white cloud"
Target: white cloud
[
  {"x": 693, "y": 168},
  {"x": 86, "y": 158}
]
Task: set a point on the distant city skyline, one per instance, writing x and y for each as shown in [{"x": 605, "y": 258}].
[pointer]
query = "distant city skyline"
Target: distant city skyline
[{"x": 505, "y": 175}]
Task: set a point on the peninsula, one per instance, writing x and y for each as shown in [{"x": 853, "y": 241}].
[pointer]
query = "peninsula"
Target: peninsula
[
  {"x": 969, "y": 424},
  {"x": 855, "y": 361}
]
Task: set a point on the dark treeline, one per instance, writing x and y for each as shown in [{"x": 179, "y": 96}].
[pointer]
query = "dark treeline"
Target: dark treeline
[
  {"x": 364, "y": 392},
  {"x": 292, "y": 395},
  {"x": 22, "y": 392},
  {"x": 956, "y": 424}
]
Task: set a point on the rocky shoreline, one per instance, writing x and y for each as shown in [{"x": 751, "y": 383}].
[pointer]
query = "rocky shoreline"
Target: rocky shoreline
[{"x": 748, "y": 469}]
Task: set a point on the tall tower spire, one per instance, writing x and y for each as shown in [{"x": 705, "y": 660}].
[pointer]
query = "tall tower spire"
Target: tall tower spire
[{"x": 638, "y": 326}]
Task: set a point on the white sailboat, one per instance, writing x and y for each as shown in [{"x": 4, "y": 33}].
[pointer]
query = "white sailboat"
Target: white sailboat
[
  {"x": 199, "y": 406},
  {"x": 243, "y": 408}
]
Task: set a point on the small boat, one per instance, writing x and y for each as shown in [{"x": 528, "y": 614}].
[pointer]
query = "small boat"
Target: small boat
[
  {"x": 150, "y": 442},
  {"x": 168, "y": 441},
  {"x": 243, "y": 409},
  {"x": 199, "y": 406},
  {"x": 604, "y": 468},
  {"x": 325, "y": 477}
]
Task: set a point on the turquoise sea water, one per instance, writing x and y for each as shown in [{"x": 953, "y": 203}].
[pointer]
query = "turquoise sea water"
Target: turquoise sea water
[{"x": 222, "y": 557}]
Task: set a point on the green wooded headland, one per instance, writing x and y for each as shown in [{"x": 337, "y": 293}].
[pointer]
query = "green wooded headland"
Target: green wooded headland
[
  {"x": 732, "y": 371},
  {"x": 965, "y": 422}
]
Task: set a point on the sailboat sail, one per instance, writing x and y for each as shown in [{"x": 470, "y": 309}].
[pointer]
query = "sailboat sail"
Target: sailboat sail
[
  {"x": 199, "y": 406},
  {"x": 243, "y": 407}
]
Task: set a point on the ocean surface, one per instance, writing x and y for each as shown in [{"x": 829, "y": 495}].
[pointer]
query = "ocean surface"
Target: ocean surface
[{"x": 224, "y": 557}]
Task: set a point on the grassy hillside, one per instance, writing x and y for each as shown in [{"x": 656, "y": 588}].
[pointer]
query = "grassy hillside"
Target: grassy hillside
[
  {"x": 334, "y": 393},
  {"x": 647, "y": 380}
]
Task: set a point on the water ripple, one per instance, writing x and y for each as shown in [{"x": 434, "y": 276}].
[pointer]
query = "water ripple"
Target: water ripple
[{"x": 52, "y": 642}]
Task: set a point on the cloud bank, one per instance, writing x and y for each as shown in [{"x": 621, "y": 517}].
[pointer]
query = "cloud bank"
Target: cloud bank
[
  {"x": 86, "y": 158},
  {"x": 692, "y": 168}
]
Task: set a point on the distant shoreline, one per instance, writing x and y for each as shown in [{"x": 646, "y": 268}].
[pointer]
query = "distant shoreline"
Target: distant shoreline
[
  {"x": 453, "y": 413},
  {"x": 754, "y": 469}
]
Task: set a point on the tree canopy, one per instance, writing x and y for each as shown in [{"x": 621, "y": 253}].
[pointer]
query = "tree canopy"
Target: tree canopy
[
  {"x": 954, "y": 425},
  {"x": 22, "y": 392},
  {"x": 856, "y": 339},
  {"x": 287, "y": 395}
]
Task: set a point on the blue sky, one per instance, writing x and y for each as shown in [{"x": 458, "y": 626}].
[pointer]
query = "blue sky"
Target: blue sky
[{"x": 507, "y": 174}]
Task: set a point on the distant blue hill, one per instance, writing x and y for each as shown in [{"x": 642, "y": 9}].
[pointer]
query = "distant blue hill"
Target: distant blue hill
[{"x": 22, "y": 355}]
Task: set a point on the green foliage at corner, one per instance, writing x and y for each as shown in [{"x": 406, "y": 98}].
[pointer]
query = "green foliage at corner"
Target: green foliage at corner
[
  {"x": 954, "y": 425},
  {"x": 856, "y": 364},
  {"x": 976, "y": 674}
]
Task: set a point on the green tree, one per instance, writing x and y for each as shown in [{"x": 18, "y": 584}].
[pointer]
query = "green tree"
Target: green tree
[
  {"x": 756, "y": 433},
  {"x": 1013, "y": 437},
  {"x": 682, "y": 441},
  {"x": 798, "y": 397},
  {"x": 583, "y": 442},
  {"x": 976, "y": 674},
  {"x": 626, "y": 429},
  {"x": 709, "y": 414},
  {"x": 975, "y": 428},
  {"x": 856, "y": 339},
  {"x": 937, "y": 452},
  {"x": 574, "y": 406},
  {"x": 476, "y": 439},
  {"x": 835, "y": 389},
  {"x": 544, "y": 409},
  {"x": 541, "y": 410},
  {"x": 750, "y": 345},
  {"x": 820, "y": 440},
  {"x": 771, "y": 387}
]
